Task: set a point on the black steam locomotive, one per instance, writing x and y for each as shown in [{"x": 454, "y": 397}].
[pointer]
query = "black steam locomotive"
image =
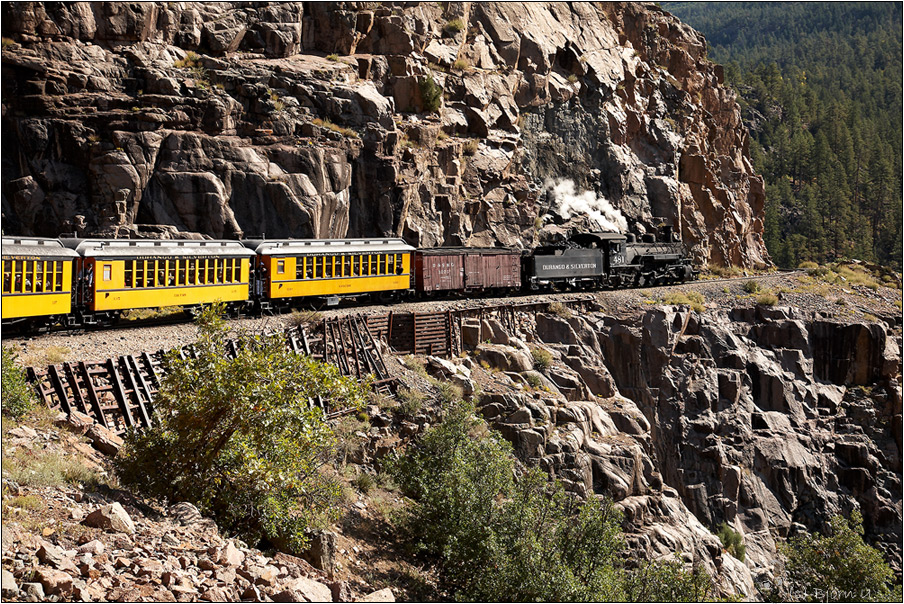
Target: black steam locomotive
[{"x": 611, "y": 260}]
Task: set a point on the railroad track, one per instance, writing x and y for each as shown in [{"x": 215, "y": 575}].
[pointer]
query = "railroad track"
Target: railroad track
[{"x": 369, "y": 308}]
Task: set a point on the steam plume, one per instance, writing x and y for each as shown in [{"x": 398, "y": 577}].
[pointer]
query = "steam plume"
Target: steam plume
[{"x": 569, "y": 202}]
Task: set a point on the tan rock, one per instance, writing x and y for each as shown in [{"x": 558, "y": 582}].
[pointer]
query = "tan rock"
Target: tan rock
[
  {"x": 111, "y": 518},
  {"x": 383, "y": 595}
]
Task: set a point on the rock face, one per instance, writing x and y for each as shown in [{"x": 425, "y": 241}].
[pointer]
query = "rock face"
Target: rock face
[
  {"x": 767, "y": 419},
  {"x": 218, "y": 119}
]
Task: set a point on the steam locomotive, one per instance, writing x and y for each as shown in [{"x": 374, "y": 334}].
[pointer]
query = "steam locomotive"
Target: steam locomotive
[{"x": 81, "y": 282}]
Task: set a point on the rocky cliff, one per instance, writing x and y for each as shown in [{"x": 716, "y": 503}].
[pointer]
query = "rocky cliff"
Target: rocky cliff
[
  {"x": 771, "y": 420},
  {"x": 444, "y": 123}
]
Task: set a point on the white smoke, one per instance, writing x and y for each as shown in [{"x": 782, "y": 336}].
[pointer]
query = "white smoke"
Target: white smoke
[{"x": 598, "y": 209}]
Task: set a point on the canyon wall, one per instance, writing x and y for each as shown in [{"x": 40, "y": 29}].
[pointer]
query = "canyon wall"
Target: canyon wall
[{"x": 441, "y": 125}]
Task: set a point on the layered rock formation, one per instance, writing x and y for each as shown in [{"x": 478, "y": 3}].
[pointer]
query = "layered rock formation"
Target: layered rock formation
[
  {"x": 442, "y": 125},
  {"x": 769, "y": 420}
]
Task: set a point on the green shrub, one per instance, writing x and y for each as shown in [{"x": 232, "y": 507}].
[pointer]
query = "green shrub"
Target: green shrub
[
  {"x": 533, "y": 380},
  {"x": 732, "y": 541},
  {"x": 572, "y": 78},
  {"x": 497, "y": 539},
  {"x": 431, "y": 93},
  {"x": 240, "y": 438},
  {"x": 837, "y": 567},
  {"x": 470, "y": 147},
  {"x": 751, "y": 287},
  {"x": 767, "y": 299},
  {"x": 807, "y": 265},
  {"x": 332, "y": 57},
  {"x": 454, "y": 26},
  {"x": 542, "y": 358},
  {"x": 18, "y": 396}
]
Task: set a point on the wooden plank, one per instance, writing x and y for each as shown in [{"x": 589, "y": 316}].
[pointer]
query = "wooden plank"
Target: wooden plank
[
  {"x": 60, "y": 390},
  {"x": 152, "y": 371},
  {"x": 38, "y": 385},
  {"x": 76, "y": 391},
  {"x": 148, "y": 408},
  {"x": 134, "y": 392},
  {"x": 93, "y": 399},
  {"x": 120, "y": 394}
]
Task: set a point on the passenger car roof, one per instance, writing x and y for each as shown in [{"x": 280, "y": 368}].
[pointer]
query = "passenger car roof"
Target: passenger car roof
[
  {"x": 138, "y": 248},
  {"x": 44, "y": 248},
  {"x": 294, "y": 247}
]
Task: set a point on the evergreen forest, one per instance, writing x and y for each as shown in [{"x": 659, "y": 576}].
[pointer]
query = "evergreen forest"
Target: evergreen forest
[{"x": 820, "y": 88}]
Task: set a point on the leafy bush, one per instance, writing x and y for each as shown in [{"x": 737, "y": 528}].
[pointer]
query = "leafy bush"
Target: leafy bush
[
  {"x": 837, "y": 567},
  {"x": 431, "y": 93},
  {"x": 18, "y": 396},
  {"x": 497, "y": 539},
  {"x": 807, "y": 265},
  {"x": 732, "y": 541},
  {"x": 767, "y": 299},
  {"x": 542, "y": 358},
  {"x": 533, "y": 380},
  {"x": 240, "y": 438},
  {"x": 751, "y": 287},
  {"x": 572, "y": 78}
]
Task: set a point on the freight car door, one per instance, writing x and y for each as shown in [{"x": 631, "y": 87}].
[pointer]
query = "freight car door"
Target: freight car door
[{"x": 475, "y": 273}]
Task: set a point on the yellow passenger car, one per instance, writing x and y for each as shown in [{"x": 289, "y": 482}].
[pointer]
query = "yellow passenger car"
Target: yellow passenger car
[
  {"x": 122, "y": 274},
  {"x": 332, "y": 268},
  {"x": 37, "y": 279}
]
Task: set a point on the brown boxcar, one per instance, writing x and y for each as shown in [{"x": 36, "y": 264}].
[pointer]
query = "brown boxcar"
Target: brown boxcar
[{"x": 467, "y": 269}]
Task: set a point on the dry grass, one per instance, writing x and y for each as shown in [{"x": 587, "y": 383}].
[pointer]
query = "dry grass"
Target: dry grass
[
  {"x": 141, "y": 314},
  {"x": 559, "y": 309},
  {"x": 304, "y": 318},
  {"x": 470, "y": 147},
  {"x": 50, "y": 355},
  {"x": 461, "y": 64},
  {"x": 415, "y": 365},
  {"x": 47, "y": 469},
  {"x": 694, "y": 299},
  {"x": 767, "y": 299},
  {"x": 723, "y": 272},
  {"x": 331, "y": 126},
  {"x": 191, "y": 60},
  {"x": 410, "y": 402}
]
